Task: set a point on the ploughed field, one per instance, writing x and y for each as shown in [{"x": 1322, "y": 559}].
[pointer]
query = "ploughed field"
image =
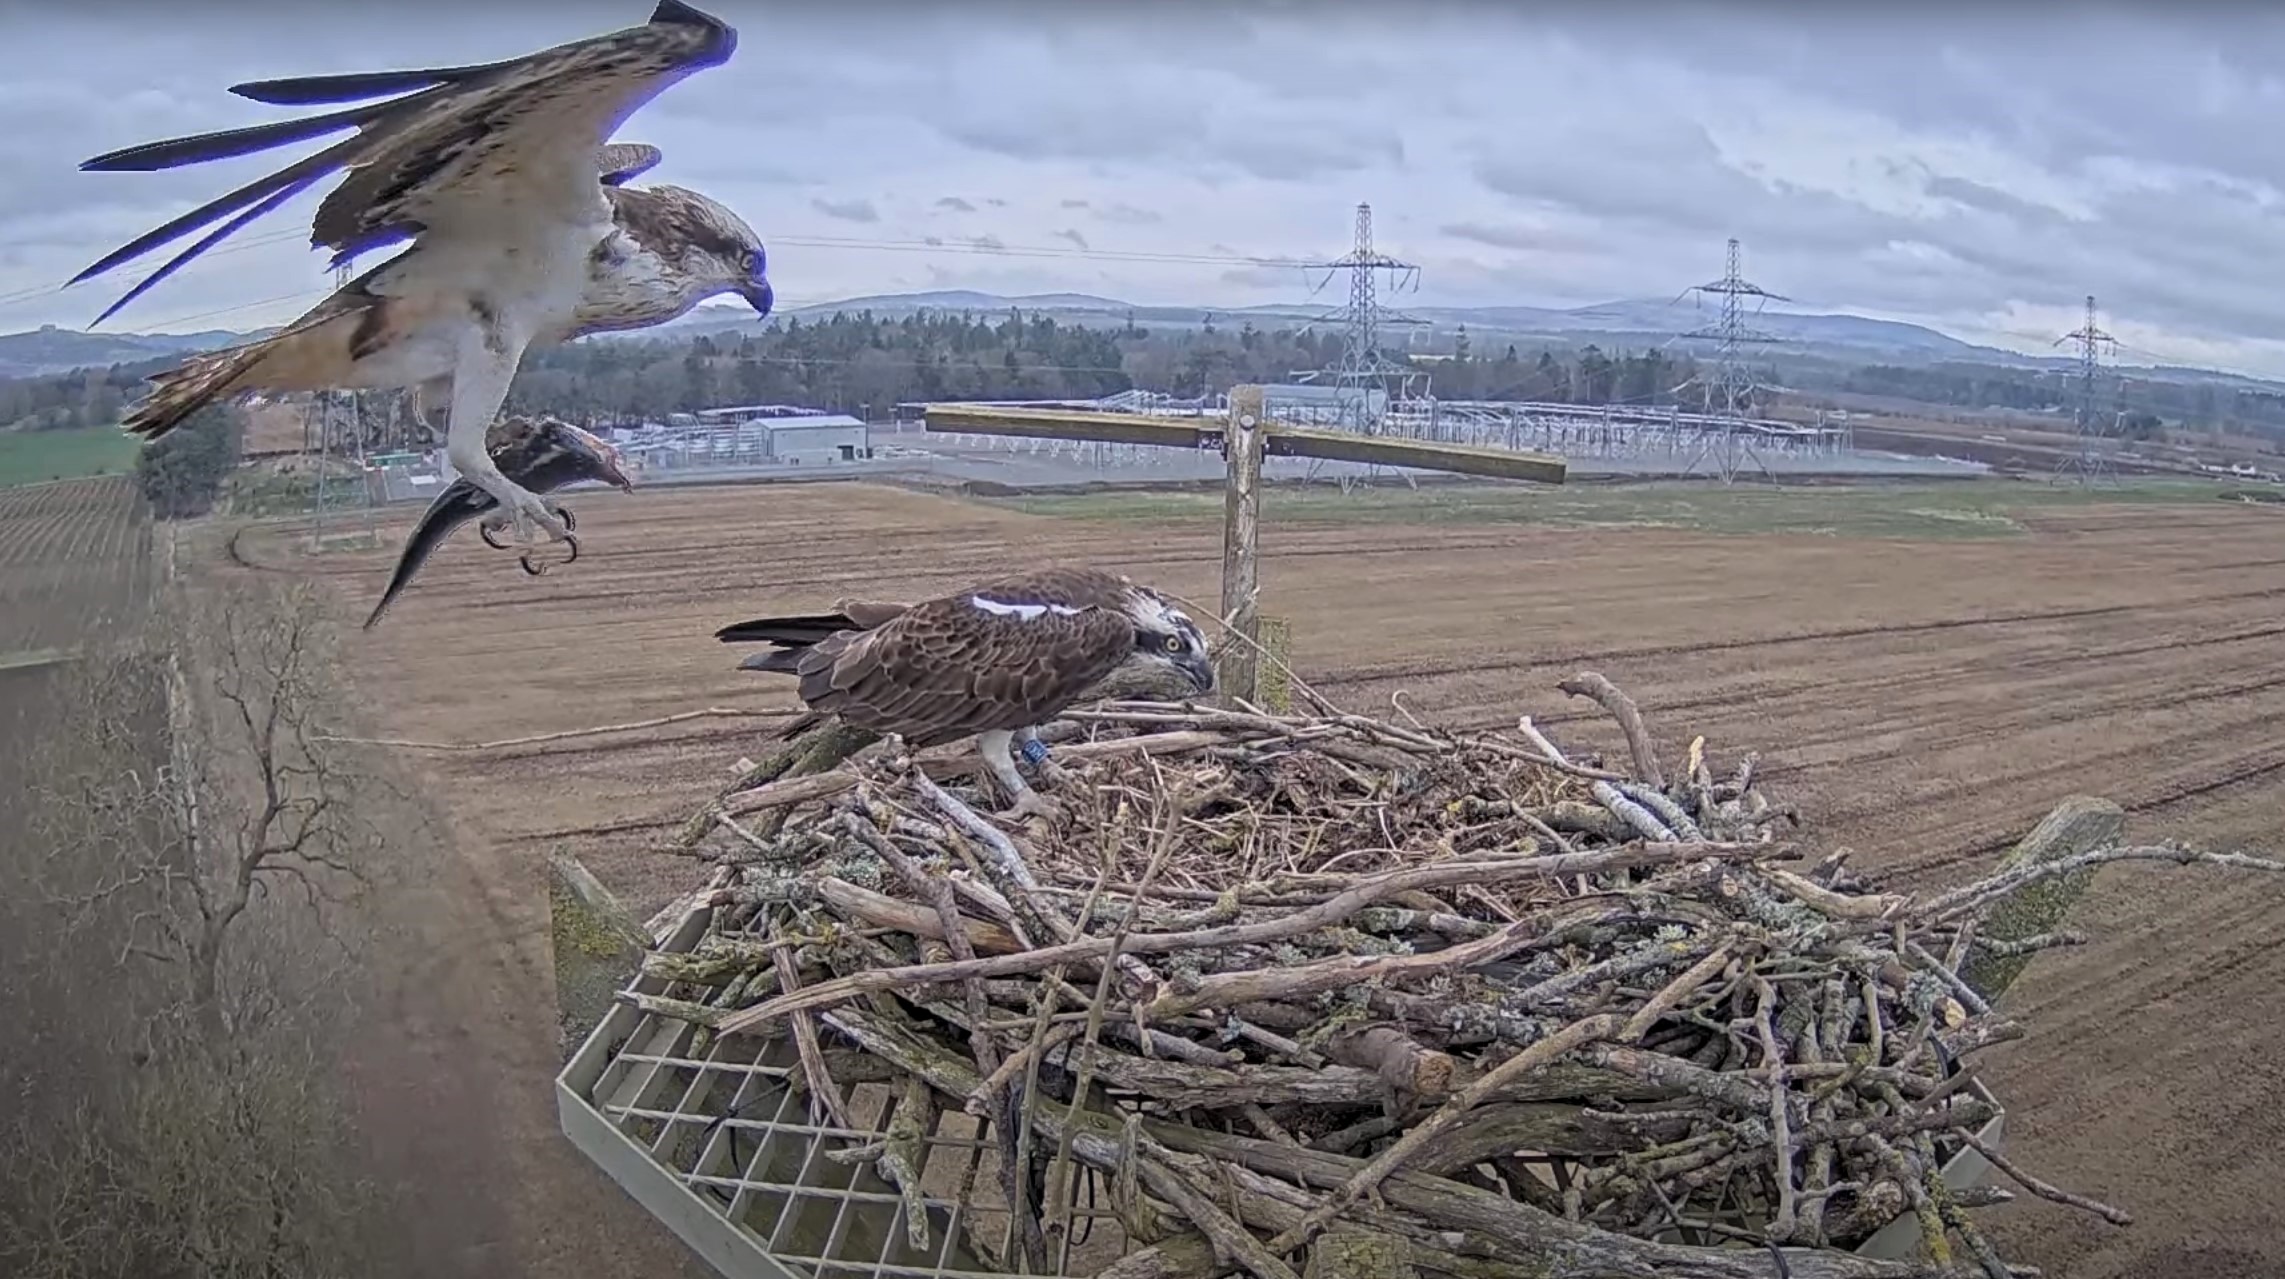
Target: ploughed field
[
  {"x": 1923, "y": 698},
  {"x": 75, "y": 559}
]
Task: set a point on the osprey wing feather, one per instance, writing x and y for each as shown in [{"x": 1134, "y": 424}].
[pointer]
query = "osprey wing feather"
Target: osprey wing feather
[
  {"x": 997, "y": 661},
  {"x": 468, "y": 150},
  {"x": 950, "y": 667},
  {"x": 505, "y": 179}
]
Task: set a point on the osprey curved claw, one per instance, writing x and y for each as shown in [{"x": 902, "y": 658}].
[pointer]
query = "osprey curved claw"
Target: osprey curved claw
[{"x": 543, "y": 456}]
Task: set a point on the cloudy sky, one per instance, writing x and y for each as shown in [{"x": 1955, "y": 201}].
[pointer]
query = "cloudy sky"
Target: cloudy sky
[{"x": 1979, "y": 172}]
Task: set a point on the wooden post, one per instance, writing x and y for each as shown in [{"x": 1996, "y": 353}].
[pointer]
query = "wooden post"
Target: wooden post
[
  {"x": 1273, "y": 682},
  {"x": 1240, "y": 666},
  {"x": 598, "y": 947},
  {"x": 2079, "y": 824}
]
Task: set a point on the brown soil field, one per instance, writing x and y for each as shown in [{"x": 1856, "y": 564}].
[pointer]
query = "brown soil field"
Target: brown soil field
[
  {"x": 446, "y": 1070},
  {"x": 1922, "y": 700},
  {"x": 75, "y": 559}
]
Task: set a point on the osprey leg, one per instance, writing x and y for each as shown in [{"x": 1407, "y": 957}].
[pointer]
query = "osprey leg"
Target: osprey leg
[
  {"x": 1035, "y": 753},
  {"x": 993, "y": 746},
  {"x": 479, "y": 387},
  {"x": 426, "y": 397}
]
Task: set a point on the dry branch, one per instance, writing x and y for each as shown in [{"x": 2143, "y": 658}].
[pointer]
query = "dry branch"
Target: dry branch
[
  {"x": 1456, "y": 997},
  {"x": 569, "y": 734}
]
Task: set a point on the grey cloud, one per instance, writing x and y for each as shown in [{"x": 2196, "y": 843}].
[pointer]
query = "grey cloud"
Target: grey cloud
[
  {"x": 1263, "y": 278},
  {"x": 1522, "y": 238},
  {"x": 1128, "y": 215},
  {"x": 1519, "y": 142},
  {"x": 1668, "y": 174},
  {"x": 1171, "y": 131},
  {"x": 853, "y": 210},
  {"x": 1188, "y": 107},
  {"x": 1987, "y": 199}
]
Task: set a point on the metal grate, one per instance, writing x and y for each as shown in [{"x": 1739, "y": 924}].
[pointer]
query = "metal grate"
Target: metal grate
[{"x": 715, "y": 1136}]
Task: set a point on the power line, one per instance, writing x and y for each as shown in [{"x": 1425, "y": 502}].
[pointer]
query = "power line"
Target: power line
[
  {"x": 1732, "y": 390},
  {"x": 2085, "y": 461},
  {"x": 991, "y": 246},
  {"x": 986, "y": 245},
  {"x": 1733, "y": 379},
  {"x": 1364, "y": 377},
  {"x": 38, "y": 292},
  {"x": 242, "y": 306}
]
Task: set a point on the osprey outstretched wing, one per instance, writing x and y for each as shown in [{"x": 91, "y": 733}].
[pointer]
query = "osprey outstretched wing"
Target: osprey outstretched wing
[
  {"x": 458, "y": 152},
  {"x": 503, "y": 177},
  {"x": 997, "y": 661}
]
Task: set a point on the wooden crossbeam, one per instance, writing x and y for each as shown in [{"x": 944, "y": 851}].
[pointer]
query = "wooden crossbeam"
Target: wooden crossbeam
[
  {"x": 1280, "y": 439},
  {"x": 1252, "y": 437},
  {"x": 1427, "y": 455},
  {"x": 1072, "y": 424}
]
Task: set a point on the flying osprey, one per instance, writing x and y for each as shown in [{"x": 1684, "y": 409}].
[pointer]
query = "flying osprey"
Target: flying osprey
[
  {"x": 997, "y": 661},
  {"x": 522, "y": 234},
  {"x": 543, "y": 456}
]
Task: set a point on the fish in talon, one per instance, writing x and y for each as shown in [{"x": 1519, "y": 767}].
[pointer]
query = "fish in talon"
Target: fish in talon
[{"x": 542, "y": 455}]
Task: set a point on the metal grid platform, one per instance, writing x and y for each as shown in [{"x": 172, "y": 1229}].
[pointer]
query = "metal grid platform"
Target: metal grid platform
[{"x": 714, "y": 1136}]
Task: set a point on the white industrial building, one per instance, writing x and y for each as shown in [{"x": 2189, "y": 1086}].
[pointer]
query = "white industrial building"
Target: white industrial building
[
  {"x": 816, "y": 440},
  {"x": 748, "y": 436},
  {"x": 1323, "y": 403}
]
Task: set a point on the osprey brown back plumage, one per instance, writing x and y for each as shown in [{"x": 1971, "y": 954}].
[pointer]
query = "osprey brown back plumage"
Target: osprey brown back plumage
[{"x": 1003, "y": 656}]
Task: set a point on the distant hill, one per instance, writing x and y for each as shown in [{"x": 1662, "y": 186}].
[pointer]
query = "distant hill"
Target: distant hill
[
  {"x": 1625, "y": 323},
  {"x": 970, "y": 300},
  {"x": 1641, "y": 320},
  {"x": 54, "y": 350},
  {"x": 1669, "y": 318}
]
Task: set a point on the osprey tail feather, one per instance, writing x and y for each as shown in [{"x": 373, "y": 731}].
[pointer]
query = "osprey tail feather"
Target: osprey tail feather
[
  {"x": 793, "y": 633},
  {"x": 778, "y": 661},
  {"x": 315, "y": 353},
  {"x": 189, "y": 387}
]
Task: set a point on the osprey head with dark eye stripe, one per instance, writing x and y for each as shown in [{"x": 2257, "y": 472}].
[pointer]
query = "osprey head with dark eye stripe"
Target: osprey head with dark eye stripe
[
  {"x": 674, "y": 249},
  {"x": 997, "y": 660}
]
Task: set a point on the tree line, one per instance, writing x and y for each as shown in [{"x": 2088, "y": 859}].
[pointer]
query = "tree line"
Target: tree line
[
  {"x": 80, "y": 397},
  {"x": 865, "y": 364}
]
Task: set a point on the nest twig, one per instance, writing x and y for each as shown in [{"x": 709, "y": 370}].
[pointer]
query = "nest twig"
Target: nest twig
[{"x": 1273, "y": 973}]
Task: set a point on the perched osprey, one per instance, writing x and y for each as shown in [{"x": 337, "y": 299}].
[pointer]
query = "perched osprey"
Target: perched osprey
[
  {"x": 997, "y": 661},
  {"x": 521, "y": 231},
  {"x": 543, "y": 455}
]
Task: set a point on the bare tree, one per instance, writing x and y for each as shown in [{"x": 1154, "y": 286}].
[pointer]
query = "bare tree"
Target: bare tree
[
  {"x": 197, "y": 832},
  {"x": 247, "y": 803}
]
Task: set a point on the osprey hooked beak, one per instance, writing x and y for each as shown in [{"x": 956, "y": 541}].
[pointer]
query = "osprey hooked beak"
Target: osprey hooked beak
[{"x": 1200, "y": 668}]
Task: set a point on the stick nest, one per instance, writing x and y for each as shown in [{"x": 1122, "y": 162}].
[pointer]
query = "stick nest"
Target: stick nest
[{"x": 1283, "y": 983}]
